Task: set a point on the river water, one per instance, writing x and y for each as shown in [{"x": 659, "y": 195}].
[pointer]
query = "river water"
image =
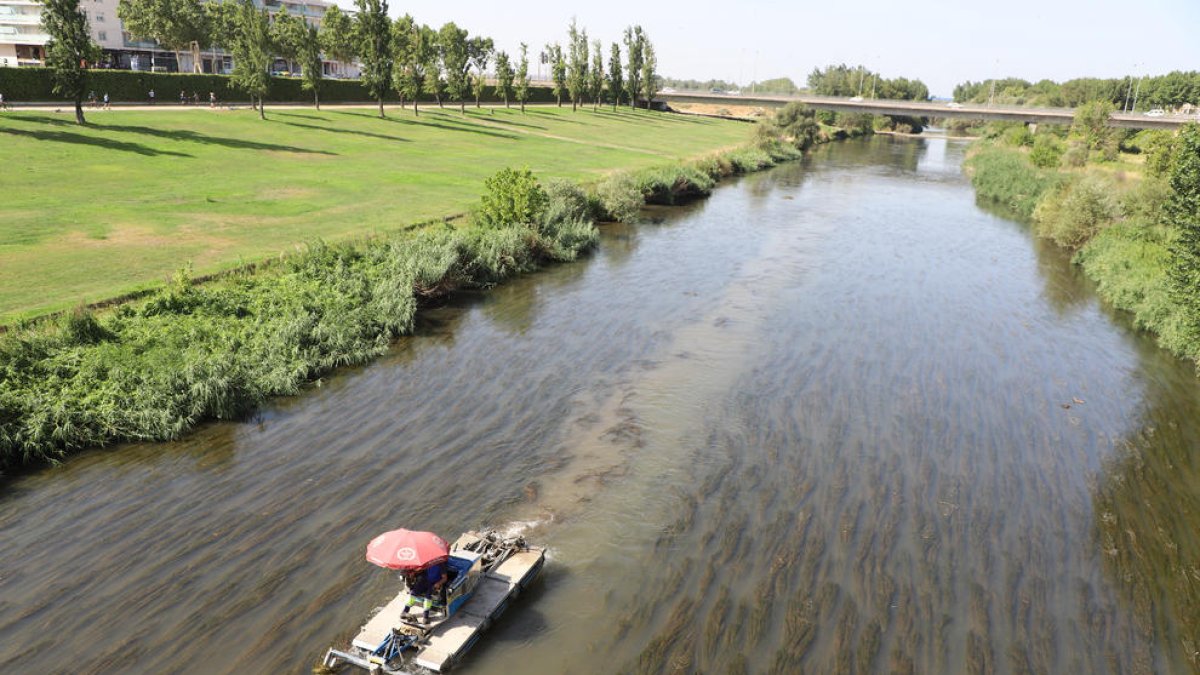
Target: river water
[{"x": 835, "y": 418}]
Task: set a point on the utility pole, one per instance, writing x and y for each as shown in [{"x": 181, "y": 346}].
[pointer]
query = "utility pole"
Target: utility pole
[{"x": 1136, "y": 92}]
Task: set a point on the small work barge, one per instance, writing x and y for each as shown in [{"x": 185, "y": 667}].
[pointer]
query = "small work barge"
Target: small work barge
[{"x": 451, "y": 595}]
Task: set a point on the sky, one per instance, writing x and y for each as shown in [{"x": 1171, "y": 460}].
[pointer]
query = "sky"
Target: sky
[{"x": 940, "y": 42}]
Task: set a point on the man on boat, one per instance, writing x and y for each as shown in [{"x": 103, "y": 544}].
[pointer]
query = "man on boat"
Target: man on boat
[{"x": 423, "y": 586}]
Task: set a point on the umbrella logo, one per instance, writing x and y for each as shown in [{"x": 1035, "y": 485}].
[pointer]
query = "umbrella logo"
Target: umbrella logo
[{"x": 406, "y": 553}]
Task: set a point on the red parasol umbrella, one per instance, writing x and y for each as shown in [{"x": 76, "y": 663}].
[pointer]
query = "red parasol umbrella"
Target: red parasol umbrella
[{"x": 407, "y": 550}]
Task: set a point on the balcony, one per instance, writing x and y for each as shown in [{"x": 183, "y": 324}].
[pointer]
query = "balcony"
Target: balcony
[{"x": 20, "y": 19}]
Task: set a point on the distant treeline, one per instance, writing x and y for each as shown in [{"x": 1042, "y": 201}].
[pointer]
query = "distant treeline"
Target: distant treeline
[
  {"x": 843, "y": 80},
  {"x": 1163, "y": 91},
  {"x": 699, "y": 85}
]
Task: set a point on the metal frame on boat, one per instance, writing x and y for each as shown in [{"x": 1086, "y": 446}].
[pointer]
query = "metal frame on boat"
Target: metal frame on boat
[{"x": 485, "y": 572}]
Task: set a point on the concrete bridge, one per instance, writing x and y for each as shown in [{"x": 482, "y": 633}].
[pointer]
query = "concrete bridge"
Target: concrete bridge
[{"x": 929, "y": 109}]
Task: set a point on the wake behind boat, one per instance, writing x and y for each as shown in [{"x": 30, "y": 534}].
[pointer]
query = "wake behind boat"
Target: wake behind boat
[{"x": 451, "y": 595}]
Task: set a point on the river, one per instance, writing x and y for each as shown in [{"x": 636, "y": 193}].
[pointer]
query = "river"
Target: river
[{"x": 835, "y": 418}]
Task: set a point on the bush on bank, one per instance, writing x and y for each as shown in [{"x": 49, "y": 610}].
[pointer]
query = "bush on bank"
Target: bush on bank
[{"x": 1127, "y": 230}]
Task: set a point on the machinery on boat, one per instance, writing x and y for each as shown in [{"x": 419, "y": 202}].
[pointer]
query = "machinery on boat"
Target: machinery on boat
[{"x": 451, "y": 594}]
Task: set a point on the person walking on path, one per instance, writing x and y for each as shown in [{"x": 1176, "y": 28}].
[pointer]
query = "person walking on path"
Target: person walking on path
[
  {"x": 182, "y": 98},
  {"x": 151, "y": 97},
  {"x": 212, "y": 99},
  {"x": 107, "y": 106},
  {"x": 3, "y": 105}
]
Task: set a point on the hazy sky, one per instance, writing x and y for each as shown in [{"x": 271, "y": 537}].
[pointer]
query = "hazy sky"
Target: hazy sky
[{"x": 942, "y": 42}]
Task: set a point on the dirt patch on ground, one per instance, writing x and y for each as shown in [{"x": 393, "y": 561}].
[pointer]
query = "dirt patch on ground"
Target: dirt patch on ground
[{"x": 721, "y": 110}]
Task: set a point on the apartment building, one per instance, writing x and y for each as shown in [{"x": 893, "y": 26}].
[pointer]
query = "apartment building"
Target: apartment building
[{"x": 23, "y": 40}]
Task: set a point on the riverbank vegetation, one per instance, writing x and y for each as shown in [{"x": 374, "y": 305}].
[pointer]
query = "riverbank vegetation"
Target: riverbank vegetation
[
  {"x": 153, "y": 368},
  {"x": 1126, "y": 202}
]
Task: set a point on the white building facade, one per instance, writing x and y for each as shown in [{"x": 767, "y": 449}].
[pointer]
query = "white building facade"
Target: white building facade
[{"x": 23, "y": 40}]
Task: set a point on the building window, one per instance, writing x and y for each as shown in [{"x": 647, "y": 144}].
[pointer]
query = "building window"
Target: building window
[{"x": 102, "y": 36}]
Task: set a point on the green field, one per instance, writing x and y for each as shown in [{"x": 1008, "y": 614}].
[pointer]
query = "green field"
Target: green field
[{"x": 89, "y": 213}]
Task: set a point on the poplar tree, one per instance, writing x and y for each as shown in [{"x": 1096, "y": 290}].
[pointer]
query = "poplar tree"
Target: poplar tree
[
  {"x": 434, "y": 82},
  {"x": 577, "y": 66},
  {"x": 558, "y": 70},
  {"x": 596, "y": 75},
  {"x": 504, "y": 76},
  {"x": 174, "y": 24},
  {"x": 402, "y": 36},
  {"x": 456, "y": 59},
  {"x": 252, "y": 54},
  {"x": 523, "y": 77},
  {"x": 479, "y": 52},
  {"x": 615, "y": 80},
  {"x": 634, "y": 43},
  {"x": 649, "y": 74},
  {"x": 221, "y": 21},
  {"x": 413, "y": 59},
  {"x": 287, "y": 35},
  {"x": 69, "y": 49},
  {"x": 373, "y": 30},
  {"x": 311, "y": 64},
  {"x": 337, "y": 35}
]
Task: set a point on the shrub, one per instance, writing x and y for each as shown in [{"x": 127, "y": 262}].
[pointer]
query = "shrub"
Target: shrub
[
  {"x": 566, "y": 201},
  {"x": 1003, "y": 176},
  {"x": 1130, "y": 264},
  {"x": 511, "y": 197},
  {"x": 1018, "y": 136},
  {"x": 1183, "y": 213},
  {"x": 1076, "y": 155},
  {"x": 1047, "y": 152},
  {"x": 1074, "y": 213},
  {"x": 620, "y": 198}
]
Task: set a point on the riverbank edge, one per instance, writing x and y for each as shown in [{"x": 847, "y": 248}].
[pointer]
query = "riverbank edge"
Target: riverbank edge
[
  {"x": 68, "y": 389},
  {"x": 1127, "y": 258}
]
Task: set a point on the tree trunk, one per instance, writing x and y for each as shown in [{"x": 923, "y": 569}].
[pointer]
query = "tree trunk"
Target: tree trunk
[
  {"x": 439, "y": 100},
  {"x": 79, "y": 110},
  {"x": 262, "y": 109},
  {"x": 316, "y": 99},
  {"x": 560, "y": 100},
  {"x": 574, "y": 104},
  {"x": 476, "y": 101},
  {"x": 506, "y": 101},
  {"x": 416, "y": 112},
  {"x": 462, "y": 106},
  {"x": 522, "y": 106},
  {"x": 381, "y": 115}
]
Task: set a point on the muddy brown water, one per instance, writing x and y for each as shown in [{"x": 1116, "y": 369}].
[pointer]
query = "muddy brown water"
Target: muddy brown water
[{"x": 836, "y": 418}]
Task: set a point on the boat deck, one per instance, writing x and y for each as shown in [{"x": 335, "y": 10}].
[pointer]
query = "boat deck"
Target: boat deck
[{"x": 451, "y": 639}]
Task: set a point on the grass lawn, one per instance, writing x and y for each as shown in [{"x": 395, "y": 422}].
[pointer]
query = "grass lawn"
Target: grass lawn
[{"x": 89, "y": 213}]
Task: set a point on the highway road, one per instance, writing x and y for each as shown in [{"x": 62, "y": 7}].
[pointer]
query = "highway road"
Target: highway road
[{"x": 929, "y": 109}]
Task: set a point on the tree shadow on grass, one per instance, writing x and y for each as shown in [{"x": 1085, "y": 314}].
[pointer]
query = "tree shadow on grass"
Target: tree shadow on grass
[
  {"x": 368, "y": 134},
  {"x": 429, "y": 121},
  {"x": 510, "y": 122},
  {"x": 196, "y": 137},
  {"x": 98, "y": 141},
  {"x": 553, "y": 116}
]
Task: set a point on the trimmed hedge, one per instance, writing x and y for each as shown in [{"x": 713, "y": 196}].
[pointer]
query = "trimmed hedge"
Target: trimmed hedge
[{"x": 132, "y": 86}]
